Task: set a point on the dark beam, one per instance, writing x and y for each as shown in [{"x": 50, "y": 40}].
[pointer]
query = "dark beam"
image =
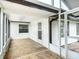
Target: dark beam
[{"x": 30, "y": 4}]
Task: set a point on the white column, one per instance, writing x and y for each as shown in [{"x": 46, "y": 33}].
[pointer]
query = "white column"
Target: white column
[
  {"x": 1, "y": 31},
  {"x": 5, "y": 34},
  {"x": 65, "y": 36},
  {"x": 59, "y": 28}
]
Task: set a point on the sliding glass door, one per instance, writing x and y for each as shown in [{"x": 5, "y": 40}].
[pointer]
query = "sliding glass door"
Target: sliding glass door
[
  {"x": 4, "y": 29},
  {"x": 0, "y": 29}
]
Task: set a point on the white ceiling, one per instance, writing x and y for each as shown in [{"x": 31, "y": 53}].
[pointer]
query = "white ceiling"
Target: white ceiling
[{"x": 10, "y": 7}]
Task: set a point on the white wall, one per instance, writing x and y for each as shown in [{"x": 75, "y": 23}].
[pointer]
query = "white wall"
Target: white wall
[
  {"x": 15, "y": 31},
  {"x": 55, "y": 39},
  {"x": 33, "y": 28},
  {"x": 72, "y": 30}
]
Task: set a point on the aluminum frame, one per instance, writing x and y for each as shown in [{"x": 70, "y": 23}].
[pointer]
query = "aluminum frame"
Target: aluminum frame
[
  {"x": 1, "y": 30},
  {"x": 59, "y": 29},
  {"x": 65, "y": 29},
  {"x": 66, "y": 37},
  {"x": 71, "y": 11}
]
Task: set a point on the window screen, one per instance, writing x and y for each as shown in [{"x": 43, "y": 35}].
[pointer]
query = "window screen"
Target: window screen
[
  {"x": 62, "y": 28},
  {"x": 39, "y": 30},
  {"x": 77, "y": 28},
  {"x": 23, "y": 28}
]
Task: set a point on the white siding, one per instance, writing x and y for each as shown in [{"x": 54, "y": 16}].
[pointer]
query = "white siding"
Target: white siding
[
  {"x": 55, "y": 40},
  {"x": 72, "y": 30}
]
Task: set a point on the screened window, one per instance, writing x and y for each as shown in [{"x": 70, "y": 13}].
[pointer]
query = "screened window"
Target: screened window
[
  {"x": 23, "y": 28},
  {"x": 4, "y": 20},
  {"x": 63, "y": 5},
  {"x": 56, "y": 3},
  {"x": 39, "y": 30},
  {"x": 77, "y": 28},
  {"x": 62, "y": 28},
  {"x": 68, "y": 28}
]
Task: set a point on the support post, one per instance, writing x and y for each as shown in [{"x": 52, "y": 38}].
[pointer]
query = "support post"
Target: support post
[
  {"x": 65, "y": 36},
  {"x": 59, "y": 29}
]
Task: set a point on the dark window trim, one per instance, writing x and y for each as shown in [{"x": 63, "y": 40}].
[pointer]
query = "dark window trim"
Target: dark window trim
[
  {"x": 77, "y": 29},
  {"x": 24, "y": 30},
  {"x": 40, "y": 30}
]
